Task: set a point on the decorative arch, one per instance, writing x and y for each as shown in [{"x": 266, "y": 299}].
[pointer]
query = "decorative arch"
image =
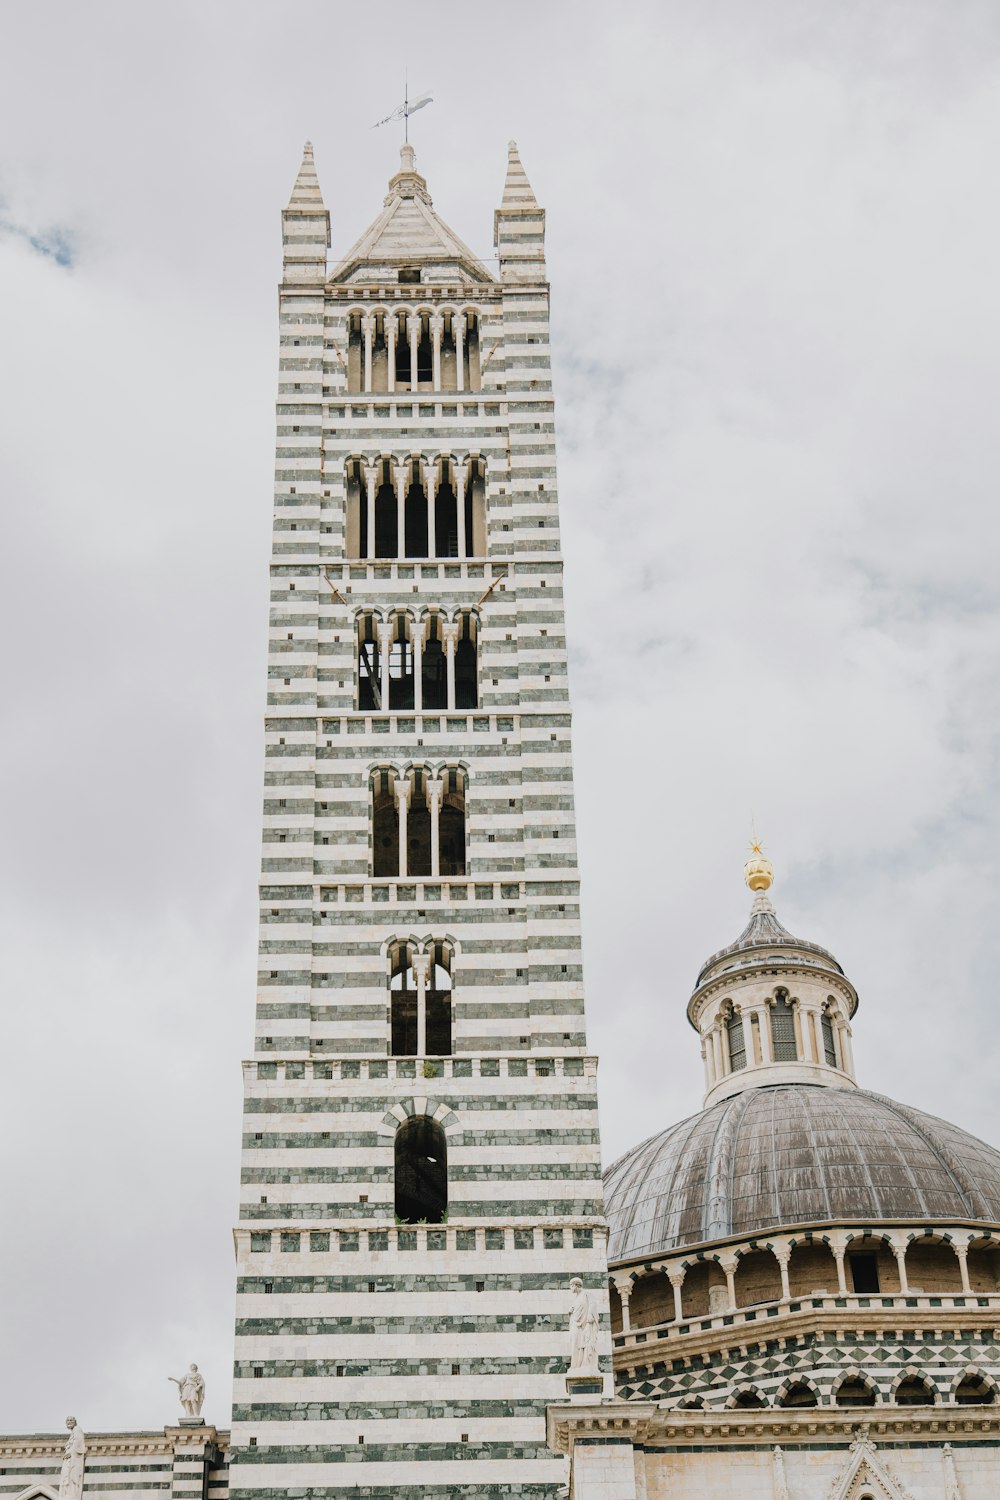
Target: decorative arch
[
  {"x": 974, "y": 1387},
  {"x": 855, "y": 1389},
  {"x": 436, "y": 1109},
  {"x": 746, "y": 1398},
  {"x": 797, "y": 1391}
]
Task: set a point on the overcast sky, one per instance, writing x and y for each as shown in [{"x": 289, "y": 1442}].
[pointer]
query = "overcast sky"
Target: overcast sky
[{"x": 773, "y": 241}]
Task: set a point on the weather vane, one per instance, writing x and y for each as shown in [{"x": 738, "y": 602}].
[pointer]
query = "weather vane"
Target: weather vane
[{"x": 405, "y": 110}]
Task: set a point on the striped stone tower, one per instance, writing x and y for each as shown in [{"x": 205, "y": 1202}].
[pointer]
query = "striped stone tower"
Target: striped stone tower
[{"x": 421, "y": 1167}]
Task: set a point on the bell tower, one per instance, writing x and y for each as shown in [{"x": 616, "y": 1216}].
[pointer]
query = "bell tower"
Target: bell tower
[{"x": 421, "y": 1176}]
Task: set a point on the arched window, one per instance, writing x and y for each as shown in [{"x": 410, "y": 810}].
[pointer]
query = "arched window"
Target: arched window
[
  {"x": 799, "y": 1394},
  {"x": 421, "y": 1176},
  {"x": 973, "y": 1390},
  {"x": 418, "y": 826},
  {"x": 466, "y": 668},
  {"x": 829, "y": 1044},
  {"x": 446, "y": 514},
  {"x": 855, "y": 1392},
  {"x": 475, "y": 525},
  {"x": 385, "y": 825},
  {"x": 386, "y": 529},
  {"x": 749, "y": 1401},
  {"x": 415, "y": 516},
  {"x": 783, "y": 1044},
  {"x": 437, "y": 1042},
  {"x": 401, "y": 664},
  {"x": 433, "y": 667},
  {"x": 452, "y": 824},
  {"x": 402, "y": 1003},
  {"x": 737, "y": 1042},
  {"x": 369, "y": 664},
  {"x": 914, "y": 1391}
]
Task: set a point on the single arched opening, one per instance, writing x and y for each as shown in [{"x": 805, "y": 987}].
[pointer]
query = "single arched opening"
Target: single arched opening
[
  {"x": 452, "y": 825},
  {"x": 749, "y": 1401},
  {"x": 421, "y": 1172},
  {"x": 433, "y": 667},
  {"x": 855, "y": 1392},
  {"x": 438, "y": 1001},
  {"x": 385, "y": 826},
  {"x": 973, "y": 1390},
  {"x": 402, "y": 1004},
  {"x": 466, "y": 671},
  {"x": 799, "y": 1394},
  {"x": 914, "y": 1391}
]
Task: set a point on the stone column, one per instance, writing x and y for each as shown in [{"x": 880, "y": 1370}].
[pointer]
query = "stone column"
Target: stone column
[
  {"x": 384, "y": 646},
  {"x": 368, "y": 333},
  {"x": 413, "y": 330},
  {"x": 783, "y": 1255},
  {"x": 728, "y": 1265},
  {"x": 764, "y": 1019},
  {"x": 421, "y": 965},
  {"x": 727, "y": 1061},
  {"x": 431, "y": 486},
  {"x": 801, "y": 1051},
  {"x": 839, "y": 1247},
  {"x": 437, "y": 328},
  {"x": 962, "y": 1251},
  {"x": 846, "y": 1050},
  {"x": 708, "y": 1071},
  {"x": 435, "y": 792},
  {"x": 809, "y": 1052},
  {"x": 401, "y": 466},
  {"x": 390, "y": 350},
  {"x": 418, "y": 632},
  {"x": 449, "y": 637},
  {"x": 676, "y": 1279},
  {"x": 709, "y": 1055},
  {"x": 717, "y": 1050},
  {"x": 371, "y": 480},
  {"x": 624, "y": 1289},
  {"x": 458, "y": 323},
  {"x": 402, "y": 789},
  {"x": 461, "y": 475},
  {"x": 898, "y": 1248}
]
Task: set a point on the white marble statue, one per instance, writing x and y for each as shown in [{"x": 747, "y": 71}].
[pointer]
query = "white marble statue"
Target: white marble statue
[
  {"x": 74, "y": 1456},
  {"x": 192, "y": 1390},
  {"x": 584, "y": 1321}
]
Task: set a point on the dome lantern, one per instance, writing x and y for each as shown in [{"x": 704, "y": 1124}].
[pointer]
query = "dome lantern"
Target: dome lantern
[{"x": 771, "y": 1008}]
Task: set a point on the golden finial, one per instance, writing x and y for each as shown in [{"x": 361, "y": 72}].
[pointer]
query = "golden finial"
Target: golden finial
[{"x": 757, "y": 871}]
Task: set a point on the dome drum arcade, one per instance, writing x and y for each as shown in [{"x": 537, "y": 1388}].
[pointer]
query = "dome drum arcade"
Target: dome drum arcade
[{"x": 801, "y": 1256}]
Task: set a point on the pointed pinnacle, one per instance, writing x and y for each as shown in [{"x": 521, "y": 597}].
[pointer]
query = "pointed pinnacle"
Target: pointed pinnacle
[
  {"x": 306, "y": 192},
  {"x": 517, "y": 189}
]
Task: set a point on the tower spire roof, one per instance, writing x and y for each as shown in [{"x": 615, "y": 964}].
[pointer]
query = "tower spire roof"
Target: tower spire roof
[
  {"x": 306, "y": 192},
  {"x": 517, "y": 191}
]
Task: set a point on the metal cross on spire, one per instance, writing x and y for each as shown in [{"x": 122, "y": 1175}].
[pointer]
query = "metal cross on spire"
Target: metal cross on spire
[{"x": 405, "y": 110}]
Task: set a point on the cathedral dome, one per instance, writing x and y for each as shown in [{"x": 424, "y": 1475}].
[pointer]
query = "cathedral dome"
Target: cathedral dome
[{"x": 795, "y": 1154}]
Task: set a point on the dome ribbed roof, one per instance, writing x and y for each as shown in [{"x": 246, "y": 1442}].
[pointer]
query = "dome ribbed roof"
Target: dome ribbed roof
[
  {"x": 765, "y": 932},
  {"x": 795, "y": 1154}
]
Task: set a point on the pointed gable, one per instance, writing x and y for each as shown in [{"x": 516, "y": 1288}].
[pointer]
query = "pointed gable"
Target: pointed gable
[{"x": 408, "y": 229}]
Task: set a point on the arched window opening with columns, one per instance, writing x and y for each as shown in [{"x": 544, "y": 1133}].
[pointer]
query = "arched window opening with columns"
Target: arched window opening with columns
[
  {"x": 783, "y": 1040},
  {"x": 855, "y": 1391},
  {"x": 736, "y": 1038},
  {"x": 415, "y": 506},
  {"x": 421, "y": 1172},
  {"x": 420, "y": 999},
  {"x": 418, "y": 822}
]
